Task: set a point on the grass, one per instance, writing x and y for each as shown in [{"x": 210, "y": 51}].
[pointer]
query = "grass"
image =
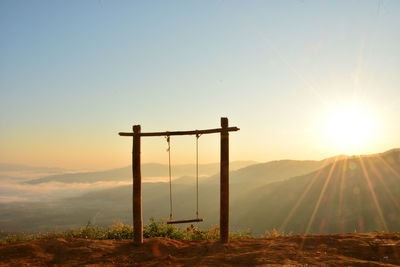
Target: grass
[
  {"x": 275, "y": 233},
  {"x": 123, "y": 231}
]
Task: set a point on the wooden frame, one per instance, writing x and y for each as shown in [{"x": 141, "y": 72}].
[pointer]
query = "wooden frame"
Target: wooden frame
[{"x": 224, "y": 176}]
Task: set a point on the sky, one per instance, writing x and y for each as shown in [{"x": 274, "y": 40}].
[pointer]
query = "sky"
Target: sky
[{"x": 75, "y": 73}]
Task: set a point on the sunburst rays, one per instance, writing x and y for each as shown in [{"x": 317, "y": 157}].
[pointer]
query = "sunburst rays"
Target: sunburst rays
[
  {"x": 299, "y": 201},
  {"x": 381, "y": 179},
  {"x": 373, "y": 194},
  {"x": 373, "y": 176},
  {"x": 318, "y": 203}
]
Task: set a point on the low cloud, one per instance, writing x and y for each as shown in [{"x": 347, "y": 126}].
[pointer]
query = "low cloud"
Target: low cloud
[
  {"x": 13, "y": 192},
  {"x": 13, "y": 189}
]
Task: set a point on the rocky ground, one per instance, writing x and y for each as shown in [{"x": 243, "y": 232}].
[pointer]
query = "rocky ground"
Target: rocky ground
[{"x": 369, "y": 249}]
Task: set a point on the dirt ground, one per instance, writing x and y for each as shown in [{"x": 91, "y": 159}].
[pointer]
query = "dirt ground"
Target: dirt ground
[{"x": 370, "y": 249}]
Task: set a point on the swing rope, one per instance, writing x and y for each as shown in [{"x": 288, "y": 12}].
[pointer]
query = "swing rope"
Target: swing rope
[
  {"x": 197, "y": 175},
  {"x": 170, "y": 176}
]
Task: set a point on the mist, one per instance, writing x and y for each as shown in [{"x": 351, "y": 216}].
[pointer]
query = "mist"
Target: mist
[{"x": 15, "y": 192}]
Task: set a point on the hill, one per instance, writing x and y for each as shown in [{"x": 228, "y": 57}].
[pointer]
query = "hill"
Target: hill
[
  {"x": 104, "y": 206},
  {"x": 263, "y": 173},
  {"x": 373, "y": 249},
  {"x": 149, "y": 170},
  {"x": 15, "y": 172},
  {"x": 344, "y": 194},
  {"x": 353, "y": 194}
]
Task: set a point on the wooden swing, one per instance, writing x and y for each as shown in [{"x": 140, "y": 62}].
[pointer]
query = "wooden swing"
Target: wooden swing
[
  {"x": 137, "y": 134},
  {"x": 197, "y": 219}
]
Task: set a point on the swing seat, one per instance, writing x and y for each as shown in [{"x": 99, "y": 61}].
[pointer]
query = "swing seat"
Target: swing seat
[{"x": 184, "y": 221}]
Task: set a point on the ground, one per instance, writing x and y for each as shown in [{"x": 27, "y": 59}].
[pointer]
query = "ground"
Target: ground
[{"x": 370, "y": 249}]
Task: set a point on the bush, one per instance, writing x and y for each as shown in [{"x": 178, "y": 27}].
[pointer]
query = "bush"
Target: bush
[
  {"x": 120, "y": 231},
  {"x": 123, "y": 231},
  {"x": 161, "y": 229},
  {"x": 195, "y": 233}
]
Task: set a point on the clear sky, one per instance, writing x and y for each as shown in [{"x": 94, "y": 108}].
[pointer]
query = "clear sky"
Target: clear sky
[{"x": 75, "y": 73}]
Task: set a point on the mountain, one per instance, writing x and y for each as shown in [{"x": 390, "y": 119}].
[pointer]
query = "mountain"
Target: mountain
[
  {"x": 104, "y": 206},
  {"x": 18, "y": 173},
  {"x": 262, "y": 173},
  {"x": 340, "y": 194},
  {"x": 272, "y": 171},
  {"x": 17, "y": 167},
  {"x": 359, "y": 193},
  {"x": 149, "y": 170}
]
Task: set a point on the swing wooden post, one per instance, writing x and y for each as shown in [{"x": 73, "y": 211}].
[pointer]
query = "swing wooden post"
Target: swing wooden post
[
  {"x": 224, "y": 179},
  {"x": 137, "y": 188},
  {"x": 224, "y": 184}
]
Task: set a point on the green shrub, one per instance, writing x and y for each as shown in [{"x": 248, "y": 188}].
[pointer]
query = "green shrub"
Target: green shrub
[
  {"x": 161, "y": 229},
  {"x": 123, "y": 231},
  {"x": 120, "y": 231},
  {"x": 195, "y": 233}
]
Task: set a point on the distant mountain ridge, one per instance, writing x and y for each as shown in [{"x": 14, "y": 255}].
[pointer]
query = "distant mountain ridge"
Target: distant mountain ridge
[
  {"x": 148, "y": 170},
  {"x": 19, "y": 167},
  {"x": 339, "y": 194},
  {"x": 14, "y": 172},
  {"x": 355, "y": 193}
]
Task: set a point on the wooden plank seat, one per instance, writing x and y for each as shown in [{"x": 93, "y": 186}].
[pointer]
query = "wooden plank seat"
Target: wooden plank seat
[{"x": 184, "y": 221}]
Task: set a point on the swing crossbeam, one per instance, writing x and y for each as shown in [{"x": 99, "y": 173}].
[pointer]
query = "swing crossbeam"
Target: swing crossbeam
[
  {"x": 184, "y": 221},
  {"x": 194, "y": 132}
]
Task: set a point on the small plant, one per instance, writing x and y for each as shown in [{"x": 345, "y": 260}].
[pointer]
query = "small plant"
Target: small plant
[
  {"x": 239, "y": 234},
  {"x": 161, "y": 229},
  {"x": 194, "y": 233},
  {"x": 120, "y": 231},
  {"x": 15, "y": 238},
  {"x": 90, "y": 231},
  {"x": 274, "y": 233},
  {"x": 213, "y": 232}
]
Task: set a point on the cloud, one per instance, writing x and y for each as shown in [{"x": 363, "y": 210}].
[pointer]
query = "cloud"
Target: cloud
[
  {"x": 8, "y": 199},
  {"x": 12, "y": 188},
  {"x": 12, "y": 192}
]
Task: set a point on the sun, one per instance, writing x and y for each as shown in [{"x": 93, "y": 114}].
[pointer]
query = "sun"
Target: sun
[{"x": 348, "y": 128}]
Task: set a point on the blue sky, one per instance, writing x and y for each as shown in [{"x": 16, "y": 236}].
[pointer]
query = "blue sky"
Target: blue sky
[{"x": 74, "y": 73}]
